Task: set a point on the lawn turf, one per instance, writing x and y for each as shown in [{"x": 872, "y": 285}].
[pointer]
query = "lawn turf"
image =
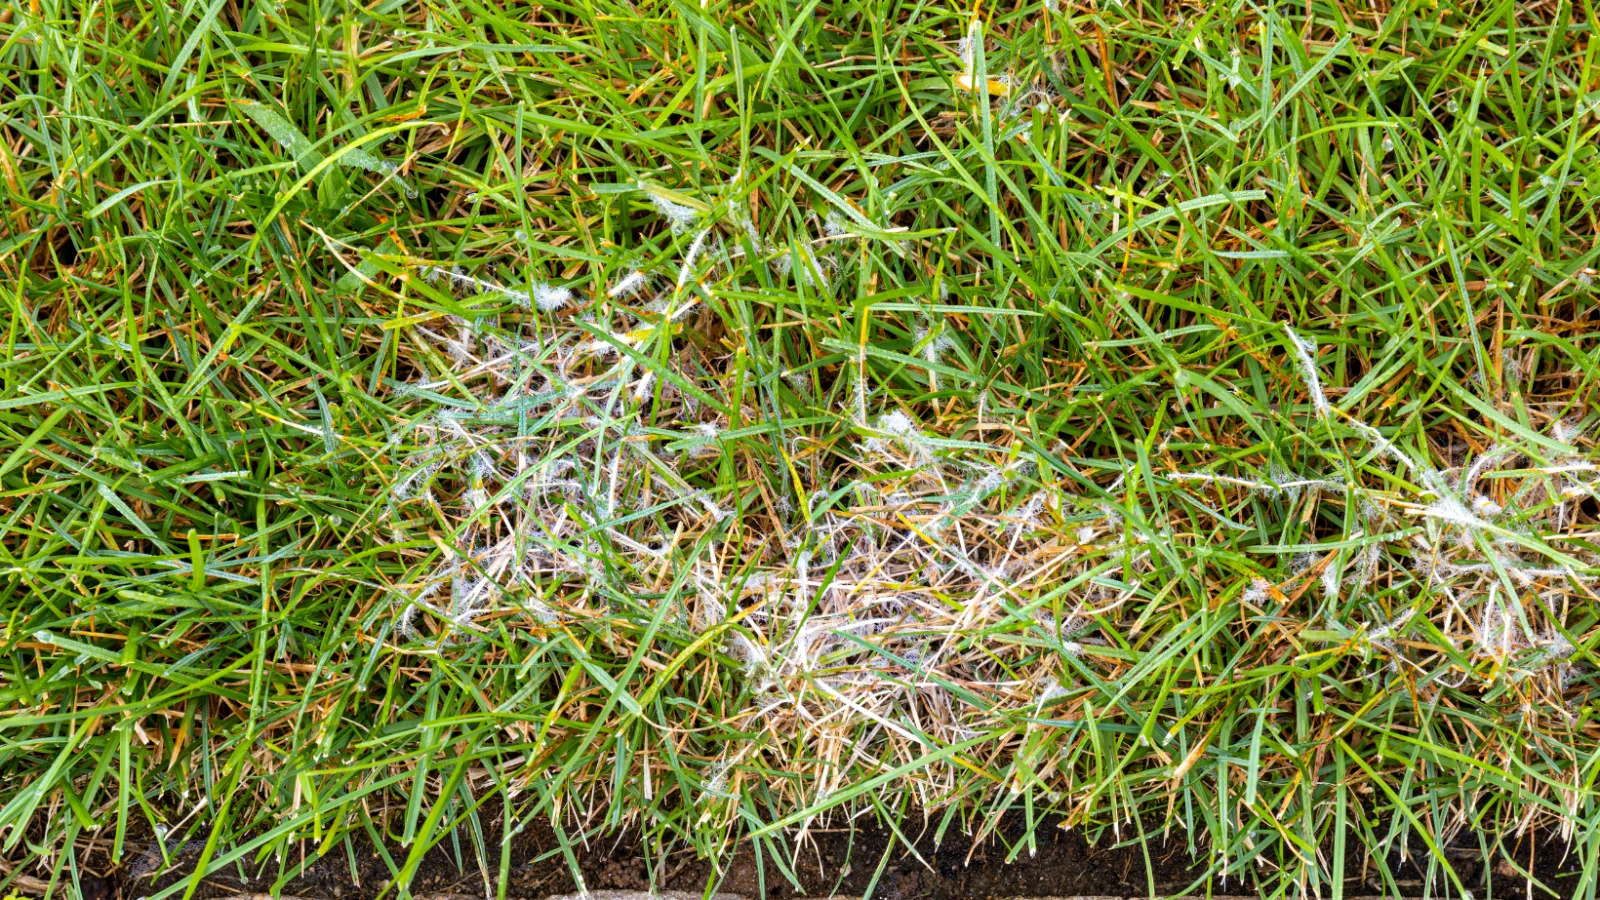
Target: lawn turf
[{"x": 714, "y": 418}]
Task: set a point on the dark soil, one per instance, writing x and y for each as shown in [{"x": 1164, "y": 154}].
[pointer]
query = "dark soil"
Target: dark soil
[{"x": 835, "y": 860}]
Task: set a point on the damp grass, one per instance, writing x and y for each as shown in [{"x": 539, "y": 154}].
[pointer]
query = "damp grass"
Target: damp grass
[{"x": 720, "y": 419}]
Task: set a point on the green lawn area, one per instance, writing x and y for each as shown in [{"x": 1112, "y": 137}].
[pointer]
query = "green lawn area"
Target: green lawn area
[{"x": 711, "y": 417}]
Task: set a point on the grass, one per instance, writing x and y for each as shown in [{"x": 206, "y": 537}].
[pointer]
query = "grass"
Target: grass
[{"x": 720, "y": 418}]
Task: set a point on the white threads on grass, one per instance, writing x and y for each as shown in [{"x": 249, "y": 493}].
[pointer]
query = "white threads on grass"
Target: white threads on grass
[
  {"x": 1258, "y": 592},
  {"x": 877, "y": 576},
  {"x": 545, "y": 297},
  {"x": 550, "y": 299},
  {"x": 898, "y": 430},
  {"x": 1449, "y": 509},
  {"x": 933, "y": 344},
  {"x": 690, "y": 256},
  {"x": 1383, "y": 637},
  {"x": 967, "y": 50},
  {"x": 1279, "y": 482},
  {"x": 1305, "y": 349},
  {"x": 680, "y": 217},
  {"x": 629, "y": 285},
  {"x": 1330, "y": 579}
]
